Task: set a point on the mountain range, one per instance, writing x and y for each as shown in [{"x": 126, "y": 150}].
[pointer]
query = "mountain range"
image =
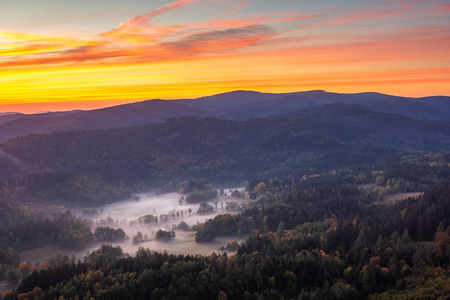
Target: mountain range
[
  {"x": 237, "y": 105},
  {"x": 225, "y": 139},
  {"x": 317, "y": 139}
]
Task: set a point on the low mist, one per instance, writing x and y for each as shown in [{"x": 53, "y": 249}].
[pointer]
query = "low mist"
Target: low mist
[{"x": 126, "y": 214}]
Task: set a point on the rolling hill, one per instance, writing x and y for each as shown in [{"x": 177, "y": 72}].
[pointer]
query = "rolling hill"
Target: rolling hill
[
  {"x": 133, "y": 114},
  {"x": 304, "y": 142},
  {"x": 237, "y": 105}
]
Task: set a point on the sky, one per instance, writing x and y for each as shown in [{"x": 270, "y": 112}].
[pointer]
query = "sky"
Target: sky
[{"x": 85, "y": 54}]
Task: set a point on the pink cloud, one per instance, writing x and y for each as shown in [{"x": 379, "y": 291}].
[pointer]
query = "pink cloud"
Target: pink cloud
[
  {"x": 371, "y": 12},
  {"x": 137, "y": 40},
  {"x": 141, "y": 22},
  {"x": 289, "y": 17},
  {"x": 218, "y": 40},
  {"x": 196, "y": 44},
  {"x": 442, "y": 8},
  {"x": 236, "y": 6}
]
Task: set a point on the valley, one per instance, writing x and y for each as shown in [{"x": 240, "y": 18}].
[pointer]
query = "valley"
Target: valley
[
  {"x": 224, "y": 149},
  {"x": 125, "y": 215},
  {"x": 348, "y": 199}
]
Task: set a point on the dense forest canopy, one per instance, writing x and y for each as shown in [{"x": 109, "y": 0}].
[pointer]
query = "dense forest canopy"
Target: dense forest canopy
[
  {"x": 328, "y": 242},
  {"x": 316, "y": 221},
  {"x": 111, "y": 163}
]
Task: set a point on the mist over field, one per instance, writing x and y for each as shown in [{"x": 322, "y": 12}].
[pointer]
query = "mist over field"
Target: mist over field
[{"x": 125, "y": 214}]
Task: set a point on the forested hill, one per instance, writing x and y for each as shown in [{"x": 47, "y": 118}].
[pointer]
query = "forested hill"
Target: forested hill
[
  {"x": 237, "y": 105},
  {"x": 133, "y": 114},
  {"x": 331, "y": 137}
]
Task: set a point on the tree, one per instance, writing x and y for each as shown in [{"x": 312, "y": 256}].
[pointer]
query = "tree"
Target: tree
[
  {"x": 148, "y": 219},
  {"x": 222, "y": 296},
  {"x": 9, "y": 295},
  {"x": 281, "y": 228},
  {"x": 105, "y": 253},
  {"x": 109, "y": 234},
  {"x": 11, "y": 277},
  {"x": 204, "y": 208},
  {"x": 442, "y": 244},
  {"x": 232, "y": 246},
  {"x": 239, "y": 232},
  {"x": 183, "y": 226},
  {"x": 26, "y": 268},
  {"x": 205, "y": 234},
  {"x": 260, "y": 188},
  {"x": 201, "y": 195},
  {"x": 138, "y": 238},
  {"x": 164, "y": 235}
]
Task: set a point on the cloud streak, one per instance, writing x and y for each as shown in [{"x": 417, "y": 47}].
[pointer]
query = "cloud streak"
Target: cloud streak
[
  {"x": 137, "y": 40},
  {"x": 236, "y": 6},
  {"x": 218, "y": 40},
  {"x": 140, "y": 23},
  {"x": 402, "y": 42}
]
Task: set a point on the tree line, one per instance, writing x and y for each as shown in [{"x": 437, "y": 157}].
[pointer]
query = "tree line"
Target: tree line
[{"x": 367, "y": 250}]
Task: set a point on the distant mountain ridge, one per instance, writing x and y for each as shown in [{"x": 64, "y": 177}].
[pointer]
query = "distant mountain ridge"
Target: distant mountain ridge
[
  {"x": 133, "y": 114},
  {"x": 236, "y": 105},
  {"x": 307, "y": 141}
]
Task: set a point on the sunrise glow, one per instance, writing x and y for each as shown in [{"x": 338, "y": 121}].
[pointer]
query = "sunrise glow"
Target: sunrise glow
[{"x": 108, "y": 53}]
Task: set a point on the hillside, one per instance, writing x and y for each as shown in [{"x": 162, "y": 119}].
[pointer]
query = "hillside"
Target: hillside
[
  {"x": 237, "y": 105},
  {"x": 133, "y": 114},
  {"x": 310, "y": 231},
  {"x": 320, "y": 139}
]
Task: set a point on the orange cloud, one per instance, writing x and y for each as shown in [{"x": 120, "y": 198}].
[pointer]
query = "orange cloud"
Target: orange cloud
[
  {"x": 222, "y": 39},
  {"x": 24, "y": 44},
  {"x": 140, "y": 23},
  {"x": 85, "y": 53},
  {"x": 136, "y": 40},
  {"x": 274, "y": 52}
]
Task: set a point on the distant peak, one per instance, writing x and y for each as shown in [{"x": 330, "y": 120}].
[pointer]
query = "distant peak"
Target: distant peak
[
  {"x": 372, "y": 95},
  {"x": 246, "y": 91},
  {"x": 235, "y": 92},
  {"x": 315, "y": 91}
]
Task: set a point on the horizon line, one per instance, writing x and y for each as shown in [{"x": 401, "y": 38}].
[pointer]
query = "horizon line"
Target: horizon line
[{"x": 92, "y": 105}]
